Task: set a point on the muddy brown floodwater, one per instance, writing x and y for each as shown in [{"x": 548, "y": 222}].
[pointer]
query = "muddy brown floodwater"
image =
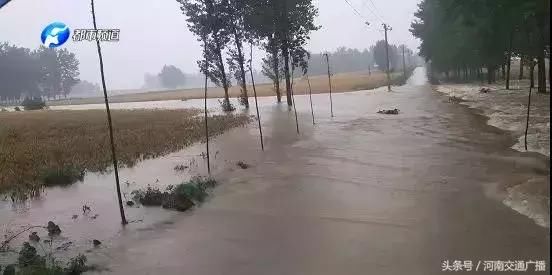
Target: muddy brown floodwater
[{"x": 360, "y": 193}]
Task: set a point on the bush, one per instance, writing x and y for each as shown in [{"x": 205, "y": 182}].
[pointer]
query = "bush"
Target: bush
[
  {"x": 30, "y": 104},
  {"x": 180, "y": 197},
  {"x": 149, "y": 197},
  {"x": 226, "y": 105},
  {"x": 17, "y": 109},
  {"x": 64, "y": 176}
]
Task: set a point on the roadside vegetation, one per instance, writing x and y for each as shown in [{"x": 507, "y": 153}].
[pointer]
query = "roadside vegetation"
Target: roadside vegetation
[
  {"x": 475, "y": 40},
  {"x": 46, "y": 148},
  {"x": 181, "y": 197}
]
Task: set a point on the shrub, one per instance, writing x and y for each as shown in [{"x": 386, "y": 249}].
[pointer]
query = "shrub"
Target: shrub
[
  {"x": 226, "y": 105},
  {"x": 35, "y": 103},
  {"x": 64, "y": 176},
  {"x": 77, "y": 265},
  {"x": 17, "y": 109},
  {"x": 195, "y": 189},
  {"x": 149, "y": 197},
  {"x": 180, "y": 197}
]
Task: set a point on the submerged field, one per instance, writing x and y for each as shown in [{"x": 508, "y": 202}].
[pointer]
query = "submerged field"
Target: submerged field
[
  {"x": 35, "y": 145},
  {"x": 342, "y": 82}
]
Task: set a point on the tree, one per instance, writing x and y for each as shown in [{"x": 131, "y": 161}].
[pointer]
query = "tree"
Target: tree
[
  {"x": 42, "y": 72},
  {"x": 69, "y": 70},
  {"x": 465, "y": 36},
  {"x": 273, "y": 69},
  {"x": 19, "y": 64},
  {"x": 151, "y": 81},
  {"x": 208, "y": 19},
  {"x": 286, "y": 25},
  {"x": 236, "y": 22},
  {"x": 171, "y": 77},
  {"x": 295, "y": 22}
]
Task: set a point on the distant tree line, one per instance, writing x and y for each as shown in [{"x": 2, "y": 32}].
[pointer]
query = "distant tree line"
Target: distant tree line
[
  {"x": 228, "y": 28},
  {"x": 473, "y": 39},
  {"x": 353, "y": 60},
  {"x": 40, "y": 73}
]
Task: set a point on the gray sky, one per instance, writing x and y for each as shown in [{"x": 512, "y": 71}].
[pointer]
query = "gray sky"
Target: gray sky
[{"x": 154, "y": 33}]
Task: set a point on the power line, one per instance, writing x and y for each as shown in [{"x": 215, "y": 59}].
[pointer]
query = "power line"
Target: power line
[
  {"x": 377, "y": 17},
  {"x": 355, "y": 10},
  {"x": 376, "y": 9}
]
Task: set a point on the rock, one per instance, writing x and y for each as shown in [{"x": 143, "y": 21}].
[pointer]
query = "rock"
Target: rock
[
  {"x": 85, "y": 209},
  {"x": 34, "y": 237},
  {"x": 74, "y": 217},
  {"x": 53, "y": 229},
  {"x": 130, "y": 203},
  {"x": 96, "y": 242},
  {"x": 242, "y": 165},
  {"x": 484, "y": 90},
  {"x": 389, "y": 112},
  {"x": 95, "y": 216},
  {"x": 64, "y": 246}
]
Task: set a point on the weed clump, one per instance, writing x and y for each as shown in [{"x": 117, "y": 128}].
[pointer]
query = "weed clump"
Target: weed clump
[
  {"x": 152, "y": 196},
  {"x": 242, "y": 165},
  {"x": 34, "y": 103},
  {"x": 180, "y": 197},
  {"x": 180, "y": 167},
  {"x": 63, "y": 176},
  {"x": 227, "y": 106}
]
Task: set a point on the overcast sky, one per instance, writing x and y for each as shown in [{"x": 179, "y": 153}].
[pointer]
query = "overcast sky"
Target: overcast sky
[{"x": 154, "y": 33}]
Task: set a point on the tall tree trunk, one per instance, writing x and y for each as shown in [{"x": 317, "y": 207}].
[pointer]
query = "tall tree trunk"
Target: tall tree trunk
[
  {"x": 503, "y": 71},
  {"x": 285, "y": 53},
  {"x": 541, "y": 78},
  {"x": 276, "y": 69},
  {"x": 509, "y": 60},
  {"x": 242, "y": 69},
  {"x": 549, "y": 73},
  {"x": 532, "y": 73},
  {"x": 521, "y": 68},
  {"x": 490, "y": 74},
  {"x": 223, "y": 72}
]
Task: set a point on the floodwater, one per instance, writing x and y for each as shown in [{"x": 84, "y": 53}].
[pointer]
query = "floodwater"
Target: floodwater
[{"x": 360, "y": 193}]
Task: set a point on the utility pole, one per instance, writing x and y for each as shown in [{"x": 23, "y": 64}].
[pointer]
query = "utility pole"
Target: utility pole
[
  {"x": 387, "y": 28},
  {"x": 329, "y": 83},
  {"x": 404, "y": 63},
  {"x": 110, "y": 124}
]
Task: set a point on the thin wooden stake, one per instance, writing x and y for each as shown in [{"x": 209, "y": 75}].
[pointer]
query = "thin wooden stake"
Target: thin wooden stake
[
  {"x": 329, "y": 83},
  {"x": 527, "y": 124},
  {"x": 109, "y": 122},
  {"x": 293, "y": 97},
  {"x": 205, "y": 111},
  {"x": 255, "y": 94},
  {"x": 310, "y": 97}
]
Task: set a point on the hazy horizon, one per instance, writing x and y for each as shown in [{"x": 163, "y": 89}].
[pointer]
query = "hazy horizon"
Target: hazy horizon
[{"x": 155, "y": 33}]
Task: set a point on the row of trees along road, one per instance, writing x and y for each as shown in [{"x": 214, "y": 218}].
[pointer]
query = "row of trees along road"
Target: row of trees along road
[
  {"x": 226, "y": 27},
  {"x": 43, "y": 73},
  {"x": 463, "y": 37}
]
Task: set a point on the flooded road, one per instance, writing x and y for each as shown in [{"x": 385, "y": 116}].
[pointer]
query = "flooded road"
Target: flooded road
[{"x": 360, "y": 193}]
